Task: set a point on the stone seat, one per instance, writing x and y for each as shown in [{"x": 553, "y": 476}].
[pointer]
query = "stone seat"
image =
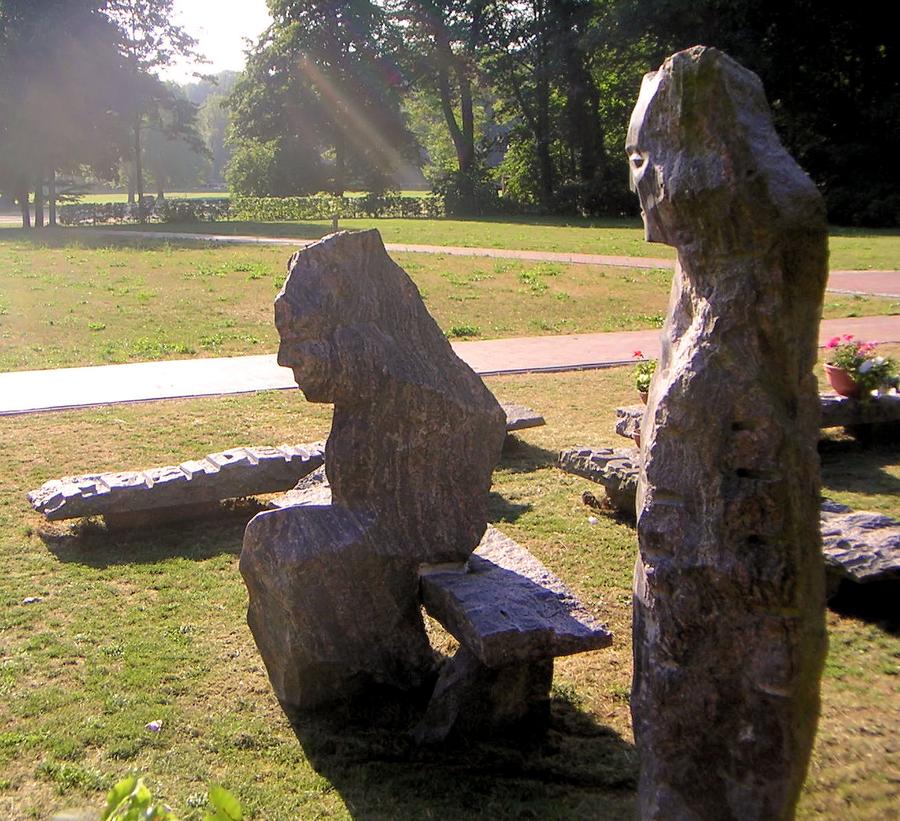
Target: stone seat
[{"x": 511, "y": 616}]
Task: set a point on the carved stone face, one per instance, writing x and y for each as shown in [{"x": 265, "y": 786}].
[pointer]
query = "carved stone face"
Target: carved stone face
[
  {"x": 305, "y": 339},
  {"x": 645, "y": 174}
]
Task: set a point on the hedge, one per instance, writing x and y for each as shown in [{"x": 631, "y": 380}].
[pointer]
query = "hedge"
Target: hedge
[{"x": 256, "y": 209}]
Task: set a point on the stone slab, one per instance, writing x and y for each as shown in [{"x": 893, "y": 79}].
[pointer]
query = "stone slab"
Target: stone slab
[
  {"x": 505, "y": 607},
  {"x": 860, "y": 546},
  {"x": 837, "y": 411},
  {"x": 614, "y": 468},
  {"x": 230, "y": 474},
  {"x": 520, "y": 417}
]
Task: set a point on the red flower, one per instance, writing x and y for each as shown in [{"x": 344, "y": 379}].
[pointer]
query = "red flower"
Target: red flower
[{"x": 638, "y": 354}]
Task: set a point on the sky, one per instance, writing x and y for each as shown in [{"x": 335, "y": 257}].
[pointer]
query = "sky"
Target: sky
[{"x": 220, "y": 28}]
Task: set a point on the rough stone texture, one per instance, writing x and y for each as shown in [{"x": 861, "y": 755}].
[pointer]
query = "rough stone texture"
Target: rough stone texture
[
  {"x": 505, "y": 606},
  {"x": 859, "y": 546},
  {"x": 310, "y": 490},
  {"x": 628, "y": 420},
  {"x": 190, "y": 485},
  {"x": 511, "y": 616},
  {"x": 729, "y": 633},
  {"x": 615, "y": 468},
  {"x": 414, "y": 439}
]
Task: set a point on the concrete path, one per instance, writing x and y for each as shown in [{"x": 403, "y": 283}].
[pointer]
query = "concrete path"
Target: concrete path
[{"x": 33, "y": 391}]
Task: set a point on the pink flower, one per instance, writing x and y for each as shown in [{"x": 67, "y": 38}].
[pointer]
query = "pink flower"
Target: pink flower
[
  {"x": 848, "y": 336},
  {"x": 834, "y": 342}
]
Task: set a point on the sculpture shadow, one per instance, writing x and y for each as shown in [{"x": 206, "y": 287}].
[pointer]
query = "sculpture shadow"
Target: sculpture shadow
[
  {"x": 859, "y": 467},
  {"x": 92, "y": 544},
  {"x": 367, "y": 754},
  {"x": 520, "y": 456},
  {"x": 501, "y": 509},
  {"x": 875, "y": 603}
]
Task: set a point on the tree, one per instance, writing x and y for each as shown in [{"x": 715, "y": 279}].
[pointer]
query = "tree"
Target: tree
[
  {"x": 59, "y": 70},
  {"x": 322, "y": 83},
  {"x": 150, "y": 41},
  {"x": 832, "y": 77}
]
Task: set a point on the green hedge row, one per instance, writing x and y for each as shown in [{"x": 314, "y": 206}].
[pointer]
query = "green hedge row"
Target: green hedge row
[{"x": 257, "y": 209}]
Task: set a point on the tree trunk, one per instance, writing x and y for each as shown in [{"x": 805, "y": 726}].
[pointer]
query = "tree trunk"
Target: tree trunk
[
  {"x": 51, "y": 191},
  {"x": 138, "y": 174},
  {"x": 130, "y": 191},
  {"x": 340, "y": 168},
  {"x": 39, "y": 203},
  {"x": 22, "y": 197}
]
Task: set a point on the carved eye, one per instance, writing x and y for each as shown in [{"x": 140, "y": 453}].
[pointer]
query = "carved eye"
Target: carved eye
[{"x": 637, "y": 160}]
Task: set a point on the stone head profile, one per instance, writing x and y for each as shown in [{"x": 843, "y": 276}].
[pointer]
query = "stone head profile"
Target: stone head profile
[
  {"x": 704, "y": 154},
  {"x": 342, "y": 314}
]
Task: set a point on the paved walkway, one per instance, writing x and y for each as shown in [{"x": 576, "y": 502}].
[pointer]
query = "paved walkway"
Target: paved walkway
[{"x": 33, "y": 391}]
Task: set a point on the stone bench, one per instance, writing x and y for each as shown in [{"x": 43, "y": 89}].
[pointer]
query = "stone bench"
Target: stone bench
[
  {"x": 194, "y": 488},
  {"x": 511, "y": 617},
  {"x": 859, "y": 546},
  {"x": 877, "y": 414}
]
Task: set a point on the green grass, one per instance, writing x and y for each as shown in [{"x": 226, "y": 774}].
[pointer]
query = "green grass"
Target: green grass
[
  {"x": 66, "y": 303},
  {"x": 122, "y": 196},
  {"x": 851, "y": 248},
  {"x": 143, "y": 626}
]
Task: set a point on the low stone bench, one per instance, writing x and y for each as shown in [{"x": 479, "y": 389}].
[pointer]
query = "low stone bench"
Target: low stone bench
[
  {"x": 859, "y": 546},
  {"x": 511, "y": 616},
  {"x": 877, "y": 414},
  {"x": 194, "y": 488},
  {"x": 179, "y": 491}
]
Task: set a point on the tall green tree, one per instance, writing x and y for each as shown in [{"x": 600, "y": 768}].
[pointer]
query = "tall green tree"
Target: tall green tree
[
  {"x": 322, "y": 84},
  {"x": 59, "y": 89},
  {"x": 151, "y": 41},
  {"x": 832, "y": 75}
]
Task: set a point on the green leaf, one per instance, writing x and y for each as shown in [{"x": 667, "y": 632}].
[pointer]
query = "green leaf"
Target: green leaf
[
  {"x": 118, "y": 795},
  {"x": 226, "y": 806}
]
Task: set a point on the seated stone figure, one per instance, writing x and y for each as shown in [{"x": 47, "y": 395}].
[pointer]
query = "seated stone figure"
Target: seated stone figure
[{"x": 334, "y": 604}]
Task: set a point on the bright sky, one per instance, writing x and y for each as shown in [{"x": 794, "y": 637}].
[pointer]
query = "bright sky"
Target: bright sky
[{"x": 220, "y": 27}]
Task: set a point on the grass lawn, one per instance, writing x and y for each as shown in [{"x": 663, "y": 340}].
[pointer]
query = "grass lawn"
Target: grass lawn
[
  {"x": 137, "y": 627},
  {"x": 851, "y": 248},
  {"x": 81, "y": 302}
]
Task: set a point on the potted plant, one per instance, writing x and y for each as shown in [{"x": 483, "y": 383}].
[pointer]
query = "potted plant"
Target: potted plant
[
  {"x": 643, "y": 373},
  {"x": 856, "y": 369}
]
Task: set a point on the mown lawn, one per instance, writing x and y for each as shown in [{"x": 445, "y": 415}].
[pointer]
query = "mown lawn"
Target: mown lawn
[
  {"x": 65, "y": 302},
  {"x": 149, "y": 626},
  {"x": 851, "y": 248}
]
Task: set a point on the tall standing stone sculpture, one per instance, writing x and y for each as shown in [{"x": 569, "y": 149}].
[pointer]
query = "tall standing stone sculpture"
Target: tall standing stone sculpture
[
  {"x": 415, "y": 435},
  {"x": 729, "y": 634}
]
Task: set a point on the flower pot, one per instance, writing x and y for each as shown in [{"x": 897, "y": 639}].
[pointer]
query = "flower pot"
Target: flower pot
[
  {"x": 636, "y": 436},
  {"x": 643, "y": 395},
  {"x": 842, "y": 382}
]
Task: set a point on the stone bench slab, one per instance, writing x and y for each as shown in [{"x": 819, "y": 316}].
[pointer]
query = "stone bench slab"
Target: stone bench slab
[
  {"x": 505, "y": 607},
  {"x": 837, "y": 411},
  {"x": 226, "y": 475},
  {"x": 520, "y": 417}
]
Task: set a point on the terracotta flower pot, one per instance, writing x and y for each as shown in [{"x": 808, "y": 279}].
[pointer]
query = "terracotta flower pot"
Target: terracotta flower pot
[
  {"x": 842, "y": 382},
  {"x": 643, "y": 395}
]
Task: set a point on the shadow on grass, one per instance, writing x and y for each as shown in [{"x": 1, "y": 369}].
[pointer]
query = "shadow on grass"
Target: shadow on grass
[
  {"x": 520, "y": 456},
  {"x": 578, "y": 769},
  {"x": 858, "y": 467},
  {"x": 875, "y": 603},
  {"x": 92, "y": 544}
]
